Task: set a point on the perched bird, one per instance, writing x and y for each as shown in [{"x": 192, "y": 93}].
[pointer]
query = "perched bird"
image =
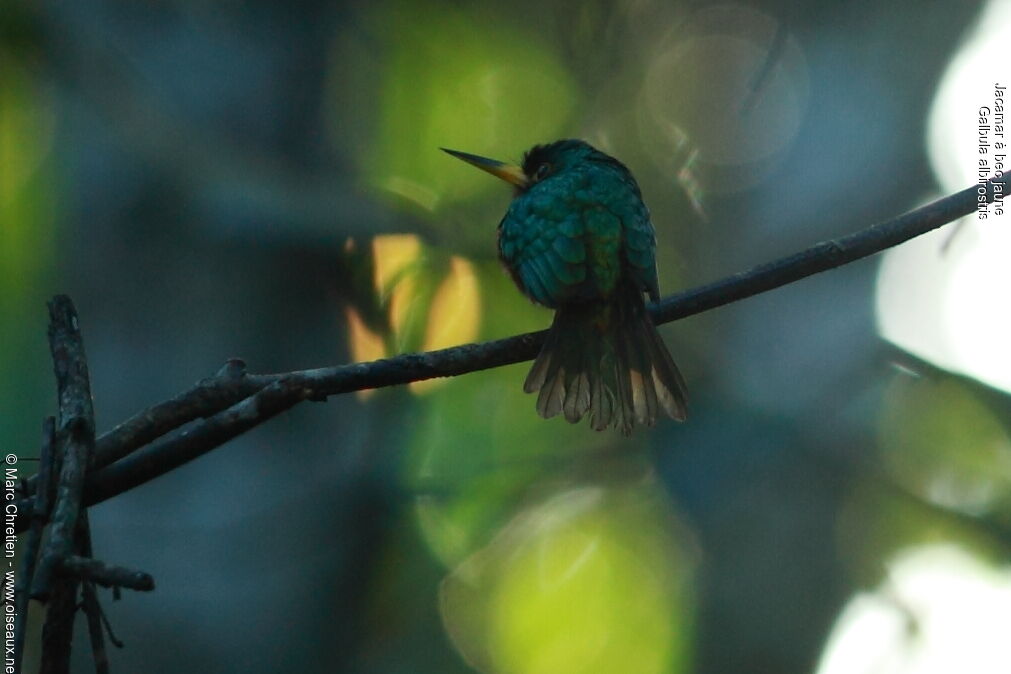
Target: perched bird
[{"x": 577, "y": 238}]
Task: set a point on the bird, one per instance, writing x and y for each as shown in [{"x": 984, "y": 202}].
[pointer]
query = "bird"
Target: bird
[{"x": 577, "y": 238}]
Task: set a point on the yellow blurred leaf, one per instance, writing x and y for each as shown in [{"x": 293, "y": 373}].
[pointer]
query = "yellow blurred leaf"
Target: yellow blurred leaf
[
  {"x": 365, "y": 344},
  {"x": 455, "y": 313},
  {"x": 403, "y": 304},
  {"x": 393, "y": 254},
  {"x": 424, "y": 312}
]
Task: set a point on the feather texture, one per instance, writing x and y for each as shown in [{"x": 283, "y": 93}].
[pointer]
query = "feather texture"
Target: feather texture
[{"x": 607, "y": 360}]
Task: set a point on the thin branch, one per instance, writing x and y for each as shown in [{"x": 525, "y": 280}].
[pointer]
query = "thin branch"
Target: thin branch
[
  {"x": 113, "y": 639},
  {"x": 226, "y": 395},
  {"x": 206, "y": 397},
  {"x": 762, "y": 76},
  {"x": 824, "y": 256},
  {"x": 995, "y": 399},
  {"x": 89, "y": 597},
  {"x": 107, "y": 575},
  {"x": 145, "y": 465},
  {"x": 93, "y": 612}
]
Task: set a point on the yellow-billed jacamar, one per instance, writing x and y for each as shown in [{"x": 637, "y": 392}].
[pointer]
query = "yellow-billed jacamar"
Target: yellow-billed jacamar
[{"x": 577, "y": 238}]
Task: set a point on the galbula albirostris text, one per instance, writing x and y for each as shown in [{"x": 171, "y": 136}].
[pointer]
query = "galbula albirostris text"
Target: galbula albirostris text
[{"x": 577, "y": 238}]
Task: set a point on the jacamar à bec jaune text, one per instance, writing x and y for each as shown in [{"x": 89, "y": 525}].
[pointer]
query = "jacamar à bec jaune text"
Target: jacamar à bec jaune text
[{"x": 577, "y": 238}]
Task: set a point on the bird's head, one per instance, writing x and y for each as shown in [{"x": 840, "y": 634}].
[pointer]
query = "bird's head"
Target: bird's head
[{"x": 540, "y": 163}]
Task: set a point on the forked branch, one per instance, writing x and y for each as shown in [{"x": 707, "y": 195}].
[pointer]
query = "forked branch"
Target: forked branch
[{"x": 234, "y": 401}]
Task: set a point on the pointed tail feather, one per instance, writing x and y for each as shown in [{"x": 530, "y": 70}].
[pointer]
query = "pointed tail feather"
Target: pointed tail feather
[{"x": 608, "y": 361}]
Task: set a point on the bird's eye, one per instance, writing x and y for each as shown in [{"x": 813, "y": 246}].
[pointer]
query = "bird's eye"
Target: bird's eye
[{"x": 542, "y": 171}]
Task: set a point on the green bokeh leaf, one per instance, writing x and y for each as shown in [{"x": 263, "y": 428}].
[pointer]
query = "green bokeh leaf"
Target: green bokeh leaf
[
  {"x": 479, "y": 444},
  {"x": 939, "y": 440},
  {"x": 27, "y": 215},
  {"x": 590, "y": 579},
  {"x": 460, "y": 79}
]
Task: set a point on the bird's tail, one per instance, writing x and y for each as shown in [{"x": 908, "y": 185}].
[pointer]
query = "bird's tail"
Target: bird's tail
[{"x": 608, "y": 360}]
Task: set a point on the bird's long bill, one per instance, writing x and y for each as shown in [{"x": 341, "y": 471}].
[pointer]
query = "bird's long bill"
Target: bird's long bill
[{"x": 507, "y": 172}]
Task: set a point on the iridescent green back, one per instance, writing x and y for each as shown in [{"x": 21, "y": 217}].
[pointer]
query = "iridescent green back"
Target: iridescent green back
[{"x": 571, "y": 236}]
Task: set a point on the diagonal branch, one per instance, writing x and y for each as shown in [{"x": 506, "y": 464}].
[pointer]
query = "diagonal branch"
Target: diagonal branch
[{"x": 232, "y": 402}]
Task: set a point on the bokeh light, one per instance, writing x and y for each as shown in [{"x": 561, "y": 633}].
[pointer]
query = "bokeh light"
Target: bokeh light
[
  {"x": 939, "y": 610},
  {"x": 455, "y": 314},
  {"x": 724, "y": 84},
  {"x": 264, "y": 180},
  {"x": 28, "y": 199},
  {"x": 429, "y": 302},
  {"x": 938, "y": 297},
  {"x": 945, "y": 445},
  {"x": 465, "y": 79},
  {"x": 476, "y": 449},
  {"x": 583, "y": 582}
]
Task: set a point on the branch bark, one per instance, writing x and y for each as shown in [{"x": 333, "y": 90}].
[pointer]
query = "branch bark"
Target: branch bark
[
  {"x": 76, "y": 439},
  {"x": 76, "y": 433},
  {"x": 232, "y": 402},
  {"x": 107, "y": 575}
]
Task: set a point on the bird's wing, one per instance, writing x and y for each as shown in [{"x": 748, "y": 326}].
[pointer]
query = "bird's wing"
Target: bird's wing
[
  {"x": 640, "y": 251},
  {"x": 545, "y": 259}
]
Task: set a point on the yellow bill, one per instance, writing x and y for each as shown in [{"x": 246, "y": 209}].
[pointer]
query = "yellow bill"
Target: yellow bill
[{"x": 507, "y": 172}]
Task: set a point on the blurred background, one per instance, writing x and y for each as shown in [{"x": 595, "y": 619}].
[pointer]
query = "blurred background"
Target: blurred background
[{"x": 263, "y": 180}]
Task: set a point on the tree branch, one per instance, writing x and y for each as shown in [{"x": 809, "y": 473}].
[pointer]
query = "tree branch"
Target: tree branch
[
  {"x": 76, "y": 439},
  {"x": 89, "y": 597},
  {"x": 824, "y": 256},
  {"x": 76, "y": 432},
  {"x": 107, "y": 575},
  {"x": 235, "y": 401}
]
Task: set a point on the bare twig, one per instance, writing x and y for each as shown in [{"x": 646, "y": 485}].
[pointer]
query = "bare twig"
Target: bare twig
[
  {"x": 995, "y": 399},
  {"x": 277, "y": 397},
  {"x": 231, "y": 391},
  {"x": 206, "y": 397},
  {"x": 765, "y": 69},
  {"x": 89, "y": 597},
  {"x": 824, "y": 256},
  {"x": 113, "y": 639},
  {"x": 107, "y": 575},
  {"x": 93, "y": 612}
]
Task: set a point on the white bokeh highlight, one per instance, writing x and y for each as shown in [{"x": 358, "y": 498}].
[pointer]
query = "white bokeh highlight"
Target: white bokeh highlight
[
  {"x": 944, "y": 297},
  {"x": 938, "y": 611}
]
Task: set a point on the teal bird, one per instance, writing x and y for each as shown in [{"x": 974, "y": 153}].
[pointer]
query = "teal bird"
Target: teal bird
[{"x": 577, "y": 238}]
